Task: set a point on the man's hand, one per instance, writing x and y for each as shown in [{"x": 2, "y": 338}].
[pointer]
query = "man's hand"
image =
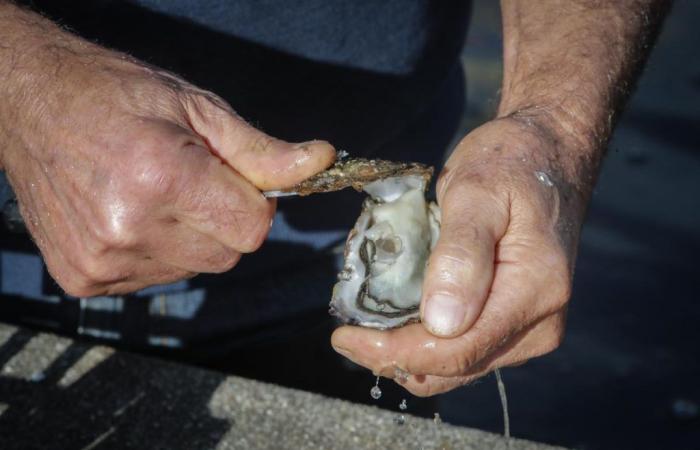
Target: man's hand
[
  {"x": 513, "y": 196},
  {"x": 499, "y": 278},
  {"x": 126, "y": 175}
]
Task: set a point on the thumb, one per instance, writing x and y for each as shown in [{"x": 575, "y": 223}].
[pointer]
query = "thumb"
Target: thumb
[
  {"x": 267, "y": 162},
  {"x": 461, "y": 266}
]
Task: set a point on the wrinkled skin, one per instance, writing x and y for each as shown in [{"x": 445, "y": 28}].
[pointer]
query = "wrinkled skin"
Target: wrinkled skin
[
  {"x": 504, "y": 261},
  {"x": 128, "y": 176},
  {"x": 513, "y": 196}
]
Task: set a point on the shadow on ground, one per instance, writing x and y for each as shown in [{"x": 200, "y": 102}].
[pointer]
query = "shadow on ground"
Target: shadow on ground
[{"x": 115, "y": 401}]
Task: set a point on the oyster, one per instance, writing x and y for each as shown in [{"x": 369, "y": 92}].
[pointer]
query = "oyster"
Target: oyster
[
  {"x": 356, "y": 173},
  {"x": 387, "y": 249}
]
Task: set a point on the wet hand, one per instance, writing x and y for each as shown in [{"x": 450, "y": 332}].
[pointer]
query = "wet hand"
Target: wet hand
[
  {"x": 128, "y": 176},
  {"x": 499, "y": 279}
]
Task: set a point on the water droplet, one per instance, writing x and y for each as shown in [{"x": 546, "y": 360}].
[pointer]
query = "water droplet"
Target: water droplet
[
  {"x": 543, "y": 178},
  {"x": 402, "y": 405},
  {"x": 400, "y": 375},
  {"x": 400, "y": 419},
  {"x": 430, "y": 344},
  {"x": 375, "y": 392}
]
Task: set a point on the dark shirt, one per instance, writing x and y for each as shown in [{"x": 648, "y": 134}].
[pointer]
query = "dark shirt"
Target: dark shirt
[{"x": 375, "y": 78}]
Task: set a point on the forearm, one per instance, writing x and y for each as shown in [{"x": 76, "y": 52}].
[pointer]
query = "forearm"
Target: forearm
[
  {"x": 29, "y": 46},
  {"x": 30, "y": 57},
  {"x": 570, "y": 65},
  {"x": 43, "y": 70}
]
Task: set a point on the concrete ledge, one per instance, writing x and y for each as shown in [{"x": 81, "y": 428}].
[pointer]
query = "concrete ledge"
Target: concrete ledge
[{"x": 57, "y": 393}]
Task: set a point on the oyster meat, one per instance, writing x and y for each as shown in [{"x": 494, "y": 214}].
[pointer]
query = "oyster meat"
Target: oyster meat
[{"x": 387, "y": 250}]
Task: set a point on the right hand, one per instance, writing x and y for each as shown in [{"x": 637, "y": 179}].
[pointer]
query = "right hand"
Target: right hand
[{"x": 128, "y": 176}]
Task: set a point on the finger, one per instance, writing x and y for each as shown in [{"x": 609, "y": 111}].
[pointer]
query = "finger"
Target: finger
[
  {"x": 429, "y": 385},
  {"x": 460, "y": 269},
  {"x": 268, "y": 163},
  {"x": 219, "y": 203},
  {"x": 180, "y": 246},
  {"x": 157, "y": 275},
  {"x": 125, "y": 273},
  {"x": 536, "y": 342},
  {"x": 539, "y": 339},
  {"x": 511, "y": 307}
]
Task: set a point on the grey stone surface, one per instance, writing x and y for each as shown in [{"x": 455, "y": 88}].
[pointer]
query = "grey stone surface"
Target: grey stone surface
[{"x": 57, "y": 393}]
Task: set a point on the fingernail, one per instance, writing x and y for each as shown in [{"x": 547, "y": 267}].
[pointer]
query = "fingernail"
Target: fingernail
[{"x": 444, "y": 314}]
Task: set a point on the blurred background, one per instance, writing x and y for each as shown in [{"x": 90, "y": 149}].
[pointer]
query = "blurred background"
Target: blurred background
[{"x": 627, "y": 373}]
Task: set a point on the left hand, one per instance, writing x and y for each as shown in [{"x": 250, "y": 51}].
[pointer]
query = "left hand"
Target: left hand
[{"x": 499, "y": 279}]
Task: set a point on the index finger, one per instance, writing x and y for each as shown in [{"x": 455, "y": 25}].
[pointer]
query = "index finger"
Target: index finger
[{"x": 220, "y": 203}]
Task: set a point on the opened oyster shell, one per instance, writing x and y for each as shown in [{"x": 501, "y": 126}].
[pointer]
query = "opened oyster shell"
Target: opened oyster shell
[
  {"x": 387, "y": 250},
  {"x": 356, "y": 173}
]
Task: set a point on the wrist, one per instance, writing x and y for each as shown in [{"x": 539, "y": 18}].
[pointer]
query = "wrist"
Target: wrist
[
  {"x": 578, "y": 125},
  {"x": 571, "y": 136}
]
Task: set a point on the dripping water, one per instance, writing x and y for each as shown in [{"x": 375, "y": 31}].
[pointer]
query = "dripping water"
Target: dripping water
[
  {"x": 401, "y": 419},
  {"x": 504, "y": 403},
  {"x": 376, "y": 392}
]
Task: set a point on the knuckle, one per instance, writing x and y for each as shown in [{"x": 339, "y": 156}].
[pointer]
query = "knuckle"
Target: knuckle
[
  {"x": 560, "y": 283},
  {"x": 98, "y": 270},
  {"x": 562, "y": 294},
  {"x": 461, "y": 363},
  {"x": 93, "y": 270},
  {"x": 519, "y": 362},
  {"x": 254, "y": 224},
  {"x": 151, "y": 172},
  {"x": 453, "y": 263},
  {"x": 254, "y": 238},
  {"x": 79, "y": 287},
  {"x": 224, "y": 261},
  {"x": 551, "y": 344},
  {"x": 552, "y": 338},
  {"x": 420, "y": 390},
  {"x": 153, "y": 180},
  {"x": 206, "y": 106},
  {"x": 113, "y": 233},
  {"x": 71, "y": 281},
  {"x": 554, "y": 277},
  {"x": 261, "y": 143}
]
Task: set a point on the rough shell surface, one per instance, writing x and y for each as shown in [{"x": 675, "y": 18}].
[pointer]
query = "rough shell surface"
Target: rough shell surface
[{"x": 358, "y": 172}]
